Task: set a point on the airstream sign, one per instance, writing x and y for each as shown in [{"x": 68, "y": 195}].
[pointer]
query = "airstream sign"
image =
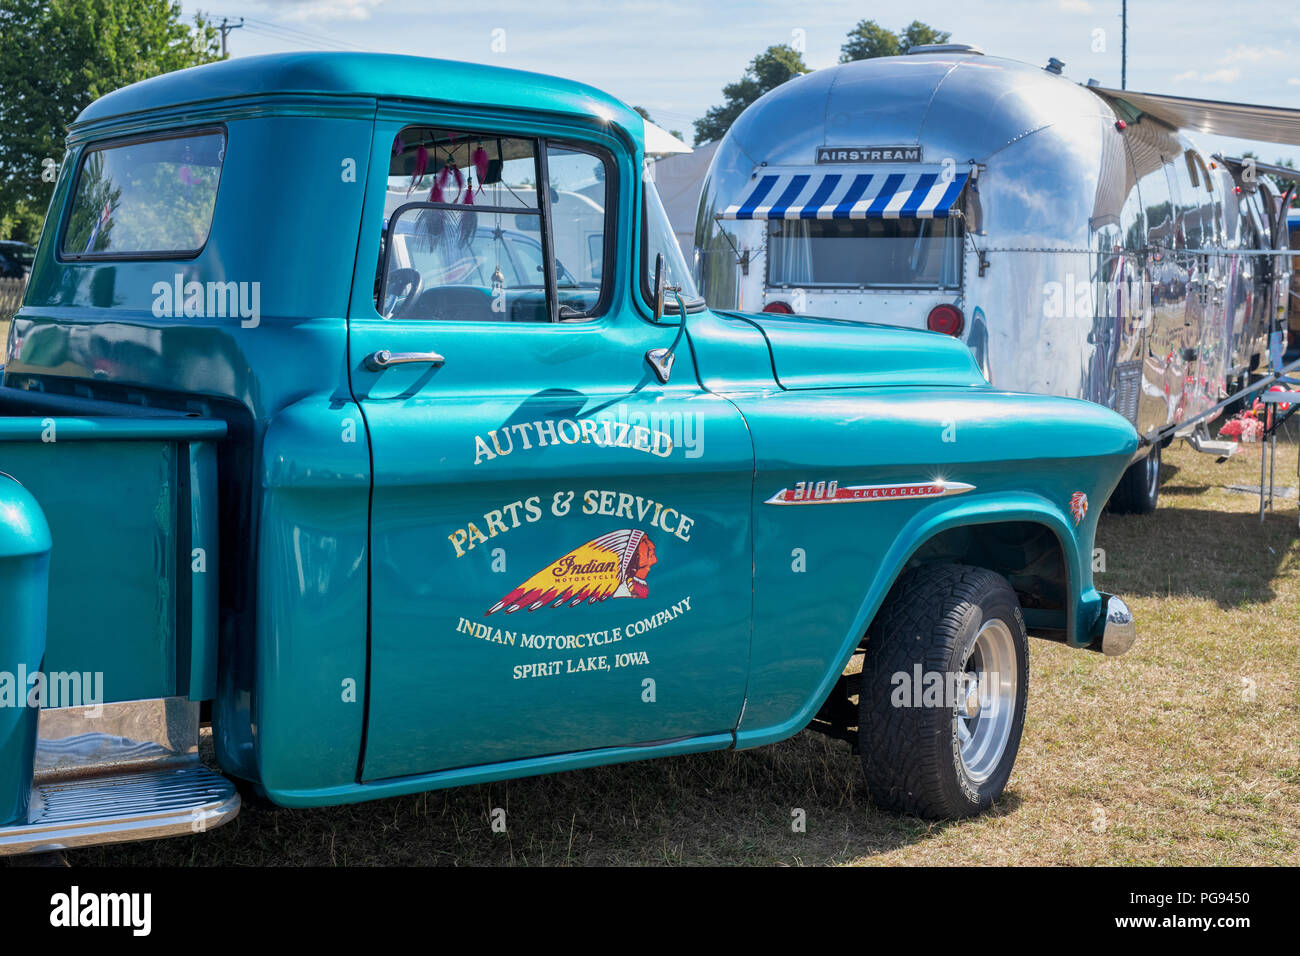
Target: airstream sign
[{"x": 868, "y": 154}]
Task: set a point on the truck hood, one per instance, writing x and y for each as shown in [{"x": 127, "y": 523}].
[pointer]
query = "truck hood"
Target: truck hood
[{"x": 811, "y": 352}]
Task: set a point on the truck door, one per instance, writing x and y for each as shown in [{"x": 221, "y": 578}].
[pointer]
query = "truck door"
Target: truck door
[{"x": 558, "y": 561}]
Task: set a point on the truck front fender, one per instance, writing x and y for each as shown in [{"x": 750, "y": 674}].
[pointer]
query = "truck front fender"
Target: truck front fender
[{"x": 784, "y": 708}]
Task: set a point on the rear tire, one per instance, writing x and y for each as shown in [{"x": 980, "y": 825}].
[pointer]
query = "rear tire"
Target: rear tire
[
  {"x": 1138, "y": 490},
  {"x": 947, "y": 757}
]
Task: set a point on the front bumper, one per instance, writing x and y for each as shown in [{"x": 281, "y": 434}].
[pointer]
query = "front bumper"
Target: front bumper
[{"x": 1115, "y": 631}]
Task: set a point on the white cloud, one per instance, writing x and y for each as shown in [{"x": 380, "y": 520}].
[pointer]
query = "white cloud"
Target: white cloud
[
  {"x": 308, "y": 10},
  {"x": 1293, "y": 81},
  {"x": 1074, "y": 6},
  {"x": 1249, "y": 54},
  {"x": 1228, "y": 74}
]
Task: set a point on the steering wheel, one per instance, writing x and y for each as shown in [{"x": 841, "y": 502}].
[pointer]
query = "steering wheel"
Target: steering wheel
[{"x": 404, "y": 284}]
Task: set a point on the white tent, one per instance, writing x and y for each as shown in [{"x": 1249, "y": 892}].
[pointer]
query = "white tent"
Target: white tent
[
  {"x": 678, "y": 179},
  {"x": 660, "y": 142}
]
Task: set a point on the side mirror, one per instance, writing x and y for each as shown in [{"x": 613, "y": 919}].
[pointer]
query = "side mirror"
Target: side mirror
[
  {"x": 660, "y": 285},
  {"x": 661, "y": 360}
]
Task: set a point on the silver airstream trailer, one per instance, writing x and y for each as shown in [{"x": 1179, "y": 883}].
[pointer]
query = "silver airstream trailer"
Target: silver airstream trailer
[{"x": 1080, "y": 245}]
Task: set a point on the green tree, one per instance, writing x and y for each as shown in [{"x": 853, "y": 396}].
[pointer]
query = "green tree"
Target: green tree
[
  {"x": 765, "y": 72},
  {"x": 57, "y": 57},
  {"x": 869, "y": 40},
  {"x": 917, "y": 33}
]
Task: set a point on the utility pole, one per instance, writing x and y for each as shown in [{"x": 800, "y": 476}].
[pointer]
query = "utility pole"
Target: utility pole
[
  {"x": 1123, "y": 45},
  {"x": 225, "y": 27}
]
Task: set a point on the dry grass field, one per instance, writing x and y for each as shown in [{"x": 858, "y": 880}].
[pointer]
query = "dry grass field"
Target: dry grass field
[{"x": 1184, "y": 752}]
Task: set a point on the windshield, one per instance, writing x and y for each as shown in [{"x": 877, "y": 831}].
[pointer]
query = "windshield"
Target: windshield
[
  {"x": 865, "y": 253},
  {"x": 660, "y": 238}
]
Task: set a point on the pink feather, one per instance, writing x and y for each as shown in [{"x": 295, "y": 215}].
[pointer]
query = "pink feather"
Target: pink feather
[
  {"x": 421, "y": 167},
  {"x": 439, "y": 192}
]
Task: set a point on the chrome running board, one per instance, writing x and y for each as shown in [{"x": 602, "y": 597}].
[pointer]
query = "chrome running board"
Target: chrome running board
[
  {"x": 120, "y": 807},
  {"x": 116, "y": 773}
]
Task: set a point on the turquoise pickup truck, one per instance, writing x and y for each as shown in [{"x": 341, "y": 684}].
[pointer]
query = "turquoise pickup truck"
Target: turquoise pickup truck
[{"x": 325, "y": 424}]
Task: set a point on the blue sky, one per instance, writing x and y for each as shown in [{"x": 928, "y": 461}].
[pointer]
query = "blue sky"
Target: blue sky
[{"x": 673, "y": 57}]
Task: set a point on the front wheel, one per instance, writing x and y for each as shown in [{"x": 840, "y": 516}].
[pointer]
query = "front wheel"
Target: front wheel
[
  {"x": 1139, "y": 488},
  {"x": 945, "y": 681}
]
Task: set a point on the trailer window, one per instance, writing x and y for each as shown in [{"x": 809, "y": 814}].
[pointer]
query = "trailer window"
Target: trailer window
[
  {"x": 146, "y": 198},
  {"x": 865, "y": 253}
]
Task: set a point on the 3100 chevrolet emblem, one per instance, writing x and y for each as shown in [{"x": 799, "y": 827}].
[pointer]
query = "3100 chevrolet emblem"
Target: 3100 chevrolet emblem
[{"x": 832, "y": 493}]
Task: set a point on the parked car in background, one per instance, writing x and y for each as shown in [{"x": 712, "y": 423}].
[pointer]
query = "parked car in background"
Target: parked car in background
[{"x": 15, "y": 259}]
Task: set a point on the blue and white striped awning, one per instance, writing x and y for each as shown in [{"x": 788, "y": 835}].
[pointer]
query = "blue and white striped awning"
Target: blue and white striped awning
[{"x": 914, "y": 193}]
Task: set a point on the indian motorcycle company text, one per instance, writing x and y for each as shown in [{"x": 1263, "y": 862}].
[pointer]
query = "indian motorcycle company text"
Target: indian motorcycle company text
[
  {"x": 602, "y": 641},
  {"x": 612, "y": 504}
]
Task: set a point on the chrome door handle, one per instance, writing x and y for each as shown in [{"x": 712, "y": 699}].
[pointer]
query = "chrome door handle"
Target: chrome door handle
[{"x": 382, "y": 359}]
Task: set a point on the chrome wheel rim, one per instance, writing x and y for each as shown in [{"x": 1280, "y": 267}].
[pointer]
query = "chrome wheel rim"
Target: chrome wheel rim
[
  {"x": 986, "y": 705},
  {"x": 1153, "y": 472}
]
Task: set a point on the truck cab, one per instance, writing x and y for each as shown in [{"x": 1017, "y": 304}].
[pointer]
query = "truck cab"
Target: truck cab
[{"x": 390, "y": 426}]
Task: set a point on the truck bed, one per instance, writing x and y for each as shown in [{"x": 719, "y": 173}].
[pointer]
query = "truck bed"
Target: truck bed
[{"x": 130, "y": 497}]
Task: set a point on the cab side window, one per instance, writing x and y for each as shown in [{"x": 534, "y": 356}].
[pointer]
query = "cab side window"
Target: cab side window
[{"x": 468, "y": 235}]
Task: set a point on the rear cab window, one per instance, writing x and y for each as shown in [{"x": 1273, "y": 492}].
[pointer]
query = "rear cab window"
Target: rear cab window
[{"x": 145, "y": 198}]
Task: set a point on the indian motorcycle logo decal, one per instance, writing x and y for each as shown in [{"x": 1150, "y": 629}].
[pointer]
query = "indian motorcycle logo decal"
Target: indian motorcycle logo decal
[
  {"x": 597, "y": 637},
  {"x": 615, "y": 565},
  {"x": 831, "y": 492},
  {"x": 1078, "y": 507}
]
